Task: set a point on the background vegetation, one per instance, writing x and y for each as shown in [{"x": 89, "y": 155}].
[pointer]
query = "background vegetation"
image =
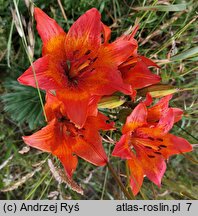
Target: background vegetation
[{"x": 168, "y": 35}]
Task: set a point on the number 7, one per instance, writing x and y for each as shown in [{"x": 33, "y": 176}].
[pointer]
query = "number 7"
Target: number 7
[{"x": 189, "y": 205}]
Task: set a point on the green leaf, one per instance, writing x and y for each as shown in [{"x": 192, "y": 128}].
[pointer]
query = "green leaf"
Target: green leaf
[
  {"x": 23, "y": 104},
  {"x": 186, "y": 54},
  {"x": 167, "y": 8}
]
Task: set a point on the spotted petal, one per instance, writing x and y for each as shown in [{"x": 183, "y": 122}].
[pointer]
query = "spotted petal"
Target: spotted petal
[
  {"x": 49, "y": 74},
  {"x": 104, "y": 81},
  {"x": 153, "y": 165},
  {"x": 51, "y": 139},
  {"x": 172, "y": 144},
  {"x": 84, "y": 35}
]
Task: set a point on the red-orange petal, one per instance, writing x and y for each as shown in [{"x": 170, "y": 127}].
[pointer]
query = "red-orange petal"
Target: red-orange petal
[
  {"x": 172, "y": 144},
  {"x": 166, "y": 122},
  {"x": 134, "y": 31},
  {"x": 148, "y": 101},
  {"x": 104, "y": 81},
  {"x": 76, "y": 102},
  {"x": 46, "y": 26},
  {"x": 52, "y": 139},
  {"x": 152, "y": 164},
  {"x": 119, "y": 51},
  {"x": 136, "y": 174},
  {"x": 136, "y": 119},
  {"x": 140, "y": 76},
  {"x": 106, "y": 32},
  {"x": 148, "y": 61},
  {"x": 84, "y": 35},
  {"x": 177, "y": 114},
  {"x": 54, "y": 108},
  {"x": 52, "y": 35},
  {"x": 92, "y": 152},
  {"x": 145, "y": 132},
  {"x": 49, "y": 75},
  {"x": 65, "y": 155},
  {"x": 134, "y": 94},
  {"x": 155, "y": 112},
  {"x": 93, "y": 105},
  {"x": 99, "y": 122},
  {"x": 122, "y": 147},
  {"x": 55, "y": 48},
  {"x": 130, "y": 38},
  {"x": 44, "y": 139}
]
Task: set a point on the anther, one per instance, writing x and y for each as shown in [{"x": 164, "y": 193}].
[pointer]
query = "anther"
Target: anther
[
  {"x": 159, "y": 139},
  {"x": 151, "y": 156},
  {"x": 158, "y": 153}
]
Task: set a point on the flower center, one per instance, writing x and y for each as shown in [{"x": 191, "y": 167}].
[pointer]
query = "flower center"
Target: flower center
[
  {"x": 70, "y": 129},
  {"x": 77, "y": 65}
]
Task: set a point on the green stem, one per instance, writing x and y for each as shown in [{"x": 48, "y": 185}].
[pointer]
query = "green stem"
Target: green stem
[
  {"x": 106, "y": 172},
  {"x": 118, "y": 181},
  {"x": 104, "y": 184},
  {"x": 25, "y": 44}
]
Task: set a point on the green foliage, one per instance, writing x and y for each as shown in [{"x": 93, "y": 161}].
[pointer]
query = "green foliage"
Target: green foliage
[
  {"x": 186, "y": 54},
  {"x": 23, "y": 104},
  {"x": 171, "y": 7}
]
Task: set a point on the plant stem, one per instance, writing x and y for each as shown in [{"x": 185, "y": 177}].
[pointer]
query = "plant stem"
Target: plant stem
[
  {"x": 118, "y": 181},
  {"x": 30, "y": 58},
  {"x": 106, "y": 172}
]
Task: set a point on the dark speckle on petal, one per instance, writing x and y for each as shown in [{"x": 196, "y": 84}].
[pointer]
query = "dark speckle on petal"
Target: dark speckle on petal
[{"x": 151, "y": 156}]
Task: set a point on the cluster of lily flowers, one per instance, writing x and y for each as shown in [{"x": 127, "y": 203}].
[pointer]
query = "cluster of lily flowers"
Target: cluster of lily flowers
[{"x": 76, "y": 70}]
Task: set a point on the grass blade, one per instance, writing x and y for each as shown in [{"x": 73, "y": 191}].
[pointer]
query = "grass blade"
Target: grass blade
[{"x": 166, "y": 8}]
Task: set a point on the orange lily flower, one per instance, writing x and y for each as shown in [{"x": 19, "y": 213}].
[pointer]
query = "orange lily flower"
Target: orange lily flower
[
  {"x": 135, "y": 70},
  {"x": 78, "y": 65},
  {"x": 64, "y": 140},
  {"x": 146, "y": 143}
]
